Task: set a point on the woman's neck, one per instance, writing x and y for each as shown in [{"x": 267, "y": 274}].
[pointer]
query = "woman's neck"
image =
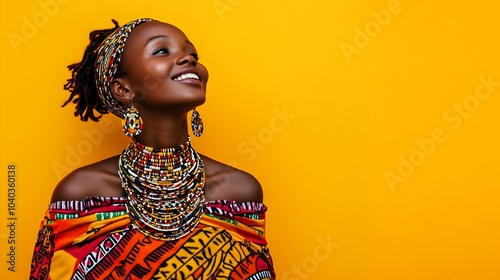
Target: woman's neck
[{"x": 163, "y": 131}]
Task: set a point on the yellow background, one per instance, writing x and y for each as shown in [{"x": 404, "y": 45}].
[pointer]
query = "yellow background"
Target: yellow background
[{"x": 322, "y": 101}]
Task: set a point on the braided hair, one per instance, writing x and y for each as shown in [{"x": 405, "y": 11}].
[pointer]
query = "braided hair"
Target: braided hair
[{"x": 82, "y": 84}]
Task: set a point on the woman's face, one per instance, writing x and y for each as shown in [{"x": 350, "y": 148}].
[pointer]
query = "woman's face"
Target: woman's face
[{"x": 162, "y": 67}]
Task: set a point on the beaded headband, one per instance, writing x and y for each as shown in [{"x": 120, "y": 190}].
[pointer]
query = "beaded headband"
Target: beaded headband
[{"x": 109, "y": 55}]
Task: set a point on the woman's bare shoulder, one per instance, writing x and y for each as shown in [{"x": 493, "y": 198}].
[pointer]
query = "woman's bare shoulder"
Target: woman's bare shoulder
[
  {"x": 96, "y": 179},
  {"x": 224, "y": 182}
]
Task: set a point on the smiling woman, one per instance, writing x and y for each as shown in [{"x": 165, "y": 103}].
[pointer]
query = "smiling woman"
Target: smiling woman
[{"x": 159, "y": 210}]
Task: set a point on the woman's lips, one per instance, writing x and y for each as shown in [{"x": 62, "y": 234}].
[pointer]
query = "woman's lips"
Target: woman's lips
[
  {"x": 190, "y": 81},
  {"x": 188, "y": 78}
]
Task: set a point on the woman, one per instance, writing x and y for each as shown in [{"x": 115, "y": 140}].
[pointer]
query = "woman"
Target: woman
[{"x": 159, "y": 210}]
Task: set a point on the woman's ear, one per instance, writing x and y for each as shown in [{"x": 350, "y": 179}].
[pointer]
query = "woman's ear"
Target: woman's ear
[{"x": 121, "y": 90}]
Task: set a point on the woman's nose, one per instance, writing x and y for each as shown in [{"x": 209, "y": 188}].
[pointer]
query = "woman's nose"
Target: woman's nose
[{"x": 186, "y": 59}]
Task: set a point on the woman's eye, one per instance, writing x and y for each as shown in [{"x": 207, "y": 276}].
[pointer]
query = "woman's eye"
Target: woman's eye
[{"x": 160, "y": 51}]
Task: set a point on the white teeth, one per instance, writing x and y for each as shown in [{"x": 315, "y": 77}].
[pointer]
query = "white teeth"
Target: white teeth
[{"x": 187, "y": 76}]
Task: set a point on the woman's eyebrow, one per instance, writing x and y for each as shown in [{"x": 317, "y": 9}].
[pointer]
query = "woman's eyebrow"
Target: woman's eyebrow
[{"x": 156, "y": 38}]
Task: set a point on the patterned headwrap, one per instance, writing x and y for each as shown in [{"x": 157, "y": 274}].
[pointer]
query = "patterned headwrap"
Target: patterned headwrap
[{"x": 109, "y": 55}]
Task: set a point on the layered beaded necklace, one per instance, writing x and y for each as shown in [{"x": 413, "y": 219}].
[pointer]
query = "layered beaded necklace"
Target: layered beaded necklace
[{"x": 164, "y": 189}]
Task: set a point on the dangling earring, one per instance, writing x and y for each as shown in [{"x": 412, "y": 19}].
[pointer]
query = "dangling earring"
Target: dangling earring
[
  {"x": 196, "y": 123},
  {"x": 132, "y": 121}
]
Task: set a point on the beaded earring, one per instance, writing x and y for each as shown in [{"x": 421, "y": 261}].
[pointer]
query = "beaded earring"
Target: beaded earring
[
  {"x": 132, "y": 121},
  {"x": 196, "y": 123}
]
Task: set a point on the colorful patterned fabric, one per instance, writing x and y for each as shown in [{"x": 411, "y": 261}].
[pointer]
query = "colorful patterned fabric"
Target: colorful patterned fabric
[{"x": 94, "y": 239}]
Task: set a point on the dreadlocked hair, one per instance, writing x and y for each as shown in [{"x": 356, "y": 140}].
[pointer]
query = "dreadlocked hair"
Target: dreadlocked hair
[{"x": 82, "y": 85}]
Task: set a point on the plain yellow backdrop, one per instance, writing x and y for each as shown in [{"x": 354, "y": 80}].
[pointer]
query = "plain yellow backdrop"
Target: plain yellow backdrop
[{"x": 372, "y": 125}]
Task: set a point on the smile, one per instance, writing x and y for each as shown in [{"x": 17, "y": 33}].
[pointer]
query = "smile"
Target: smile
[{"x": 187, "y": 76}]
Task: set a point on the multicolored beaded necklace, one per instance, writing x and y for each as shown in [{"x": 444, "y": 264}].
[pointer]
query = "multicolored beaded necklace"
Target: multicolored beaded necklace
[{"x": 164, "y": 188}]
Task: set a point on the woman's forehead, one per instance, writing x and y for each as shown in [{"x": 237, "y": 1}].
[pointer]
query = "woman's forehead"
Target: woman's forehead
[{"x": 143, "y": 32}]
